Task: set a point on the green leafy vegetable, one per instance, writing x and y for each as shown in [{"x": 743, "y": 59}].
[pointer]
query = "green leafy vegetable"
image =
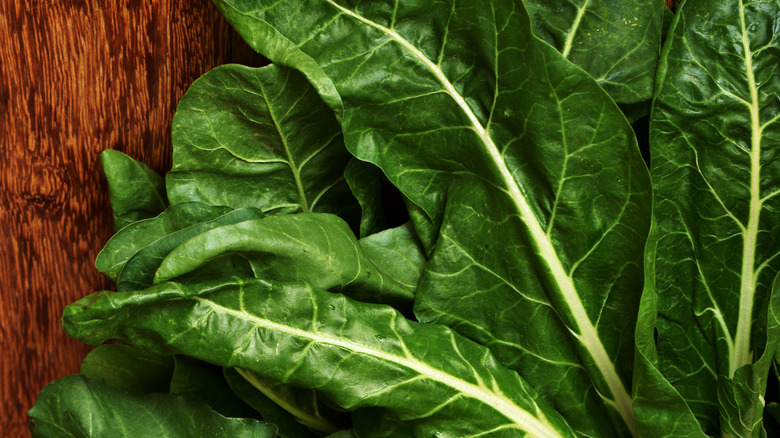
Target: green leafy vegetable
[
  {"x": 76, "y": 407},
  {"x": 135, "y": 190},
  {"x": 433, "y": 219},
  {"x": 716, "y": 174},
  {"x": 617, "y": 42}
]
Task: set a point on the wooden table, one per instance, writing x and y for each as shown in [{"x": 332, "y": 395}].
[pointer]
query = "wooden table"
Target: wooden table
[{"x": 77, "y": 77}]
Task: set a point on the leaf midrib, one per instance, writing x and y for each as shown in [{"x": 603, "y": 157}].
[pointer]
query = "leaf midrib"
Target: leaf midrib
[
  {"x": 588, "y": 335},
  {"x": 497, "y": 401},
  {"x": 742, "y": 351}
]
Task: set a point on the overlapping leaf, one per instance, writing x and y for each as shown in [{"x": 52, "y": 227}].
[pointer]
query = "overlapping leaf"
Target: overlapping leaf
[
  {"x": 76, "y": 407},
  {"x": 357, "y": 354},
  {"x": 617, "y": 42},
  {"x": 313, "y": 247},
  {"x": 520, "y": 157},
  {"x": 715, "y": 143},
  {"x": 135, "y": 190},
  {"x": 263, "y": 138}
]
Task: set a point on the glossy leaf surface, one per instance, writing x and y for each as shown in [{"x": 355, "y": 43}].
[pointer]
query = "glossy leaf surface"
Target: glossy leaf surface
[
  {"x": 714, "y": 141},
  {"x": 313, "y": 247},
  {"x": 531, "y": 173},
  {"x": 131, "y": 240},
  {"x": 140, "y": 269},
  {"x": 263, "y": 138},
  {"x": 356, "y": 354},
  {"x": 134, "y": 189},
  {"x": 76, "y": 407},
  {"x": 128, "y": 368},
  {"x": 617, "y": 42}
]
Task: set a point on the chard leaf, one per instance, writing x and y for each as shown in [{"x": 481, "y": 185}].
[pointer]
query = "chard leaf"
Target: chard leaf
[
  {"x": 286, "y": 422},
  {"x": 200, "y": 381},
  {"x": 139, "y": 271},
  {"x": 714, "y": 145},
  {"x": 128, "y": 369},
  {"x": 135, "y": 190},
  {"x": 617, "y": 42},
  {"x": 132, "y": 239},
  {"x": 314, "y": 247},
  {"x": 398, "y": 252},
  {"x": 356, "y": 354},
  {"x": 365, "y": 181},
  {"x": 303, "y": 404},
  {"x": 524, "y": 162},
  {"x": 263, "y": 138},
  {"x": 76, "y": 407}
]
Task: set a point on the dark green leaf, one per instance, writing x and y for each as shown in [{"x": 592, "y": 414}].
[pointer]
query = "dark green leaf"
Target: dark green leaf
[
  {"x": 714, "y": 146},
  {"x": 204, "y": 382},
  {"x": 139, "y": 271},
  {"x": 128, "y": 368},
  {"x": 617, "y": 42},
  {"x": 356, "y": 354},
  {"x": 135, "y": 190},
  {"x": 131, "y": 240},
  {"x": 398, "y": 253},
  {"x": 76, "y": 407},
  {"x": 302, "y": 404},
  {"x": 524, "y": 160},
  {"x": 272, "y": 412},
  {"x": 365, "y": 181},
  {"x": 262, "y": 138},
  {"x": 313, "y": 247}
]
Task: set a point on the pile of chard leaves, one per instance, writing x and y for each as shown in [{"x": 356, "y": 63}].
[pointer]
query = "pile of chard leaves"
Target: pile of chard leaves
[{"x": 433, "y": 219}]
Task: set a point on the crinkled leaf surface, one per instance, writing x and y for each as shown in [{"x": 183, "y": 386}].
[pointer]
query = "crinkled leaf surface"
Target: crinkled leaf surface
[
  {"x": 617, "y": 42},
  {"x": 77, "y": 407},
  {"x": 263, "y": 138},
  {"x": 317, "y": 248},
  {"x": 521, "y": 158},
  {"x": 357, "y": 354},
  {"x": 714, "y": 141},
  {"x": 134, "y": 189}
]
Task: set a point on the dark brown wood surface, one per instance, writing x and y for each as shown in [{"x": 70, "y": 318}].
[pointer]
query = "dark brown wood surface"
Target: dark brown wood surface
[{"x": 77, "y": 77}]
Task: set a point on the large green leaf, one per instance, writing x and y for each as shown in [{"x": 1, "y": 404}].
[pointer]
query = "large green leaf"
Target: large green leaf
[
  {"x": 314, "y": 247},
  {"x": 76, "y": 407},
  {"x": 263, "y": 138},
  {"x": 522, "y": 159},
  {"x": 135, "y": 190},
  {"x": 617, "y": 42},
  {"x": 356, "y": 354},
  {"x": 714, "y": 144}
]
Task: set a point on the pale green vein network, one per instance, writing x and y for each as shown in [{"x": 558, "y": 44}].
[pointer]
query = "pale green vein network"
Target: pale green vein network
[
  {"x": 291, "y": 163},
  {"x": 490, "y": 397},
  {"x": 588, "y": 335}
]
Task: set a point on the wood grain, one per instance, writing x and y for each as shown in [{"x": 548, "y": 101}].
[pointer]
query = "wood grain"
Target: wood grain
[{"x": 77, "y": 77}]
